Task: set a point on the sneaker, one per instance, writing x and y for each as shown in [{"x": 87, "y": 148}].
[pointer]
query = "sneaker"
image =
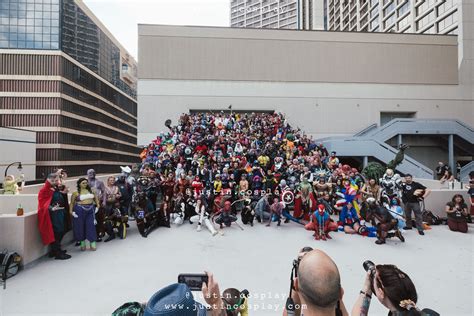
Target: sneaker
[
  {"x": 380, "y": 241},
  {"x": 421, "y": 232},
  {"x": 406, "y": 228},
  {"x": 62, "y": 256}
]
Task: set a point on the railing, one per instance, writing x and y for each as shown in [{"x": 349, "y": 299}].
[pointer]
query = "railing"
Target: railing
[
  {"x": 366, "y": 130},
  {"x": 420, "y": 127},
  {"x": 464, "y": 177}
]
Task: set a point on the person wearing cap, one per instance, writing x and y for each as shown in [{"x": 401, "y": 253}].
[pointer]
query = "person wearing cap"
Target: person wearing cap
[{"x": 178, "y": 300}]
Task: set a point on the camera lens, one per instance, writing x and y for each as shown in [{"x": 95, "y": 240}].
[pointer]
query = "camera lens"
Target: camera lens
[{"x": 368, "y": 265}]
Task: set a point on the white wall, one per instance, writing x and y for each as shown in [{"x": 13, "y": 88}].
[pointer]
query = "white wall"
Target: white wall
[{"x": 18, "y": 145}]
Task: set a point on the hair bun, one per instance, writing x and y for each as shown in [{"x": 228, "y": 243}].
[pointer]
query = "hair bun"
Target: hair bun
[{"x": 408, "y": 304}]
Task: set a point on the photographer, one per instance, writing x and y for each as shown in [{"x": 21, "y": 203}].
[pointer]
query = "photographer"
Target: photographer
[
  {"x": 315, "y": 287},
  {"x": 394, "y": 290},
  {"x": 457, "y": 213}
]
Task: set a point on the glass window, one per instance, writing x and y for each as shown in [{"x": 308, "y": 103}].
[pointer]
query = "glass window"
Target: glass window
[
  {"x": 4, "y": 44},
  {"x": 374, "y": 12},
  {"x": 445, "y": 6},
  {"x": 54, "y": 30},
  {"x": 4, "y": 28},
  {"x": 447, "y": 21},
  {"x": 3, "y": 36},
  {"x": 403, "y": 9},
  {"x": 21, "y": 44}
]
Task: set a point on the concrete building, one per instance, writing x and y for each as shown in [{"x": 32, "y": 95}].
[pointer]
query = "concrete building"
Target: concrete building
[
  {"x": 18, "y": 146},
  {"x": 399, "y": 16},
  {"x": 64, "y": 76},
  {"x": 278, "y": 14},
  {"x": 321, "y": 88}
]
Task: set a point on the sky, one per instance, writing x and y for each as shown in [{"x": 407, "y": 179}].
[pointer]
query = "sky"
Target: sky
[{"x": 122, "y": 16}]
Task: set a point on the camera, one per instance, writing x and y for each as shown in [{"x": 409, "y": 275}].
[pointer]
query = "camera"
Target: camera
[{"x": 369, "y": 266}]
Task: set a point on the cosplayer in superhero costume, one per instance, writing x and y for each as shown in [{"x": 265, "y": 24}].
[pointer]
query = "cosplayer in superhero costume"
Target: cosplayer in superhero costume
[
  {"x": 276, "y": 210},
  {"x": 203, "y": 217},
  {"x": 147, "y": 217},
  {"x": 225, "y": 216},
  {"x": 320, "y": 222},
  {"x": 53, "y": 215},
  {"x": 98, "y": 188},
  {"x": 382, "y": 218}
]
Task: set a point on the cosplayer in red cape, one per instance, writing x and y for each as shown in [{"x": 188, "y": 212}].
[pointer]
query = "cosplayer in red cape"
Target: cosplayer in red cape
[
  {"x": 52, "y": 214},
  {"x": 320, "y": 223}
]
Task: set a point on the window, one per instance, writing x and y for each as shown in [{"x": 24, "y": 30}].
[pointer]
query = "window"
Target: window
[
  {"x": 445, "y": 6},
  {"x": 403, "y": 9},
  {"x": 447, "y": 21},
  {"x": 374, "y": 12},
  {"x": 403, "y": 22},
  {"x": 426, "y": 20}
]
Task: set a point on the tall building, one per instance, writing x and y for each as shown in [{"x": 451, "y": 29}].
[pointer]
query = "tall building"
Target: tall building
[
  {"x": 278, "y": 14},
  {"x": 63, "y": 75},
  {"x": 400, "y": 16}
]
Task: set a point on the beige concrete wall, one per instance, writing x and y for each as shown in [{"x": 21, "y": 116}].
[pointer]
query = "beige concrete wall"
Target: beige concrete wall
[
  {"x": 18, "y": 145},
  {"x": 320, "y": 109},
  {"x": 210, "y": 53}
]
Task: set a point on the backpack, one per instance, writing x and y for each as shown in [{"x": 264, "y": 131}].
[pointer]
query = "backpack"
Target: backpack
[
  {"x": 430, "y": 218},
  {"x": 9, "y": 265}
]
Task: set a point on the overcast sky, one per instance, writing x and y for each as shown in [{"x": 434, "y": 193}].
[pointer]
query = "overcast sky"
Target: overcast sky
[{"x": 122, "y": 16}]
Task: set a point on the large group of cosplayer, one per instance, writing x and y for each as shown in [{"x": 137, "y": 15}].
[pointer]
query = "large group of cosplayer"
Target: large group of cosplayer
[{"x": 217, "y": 170}]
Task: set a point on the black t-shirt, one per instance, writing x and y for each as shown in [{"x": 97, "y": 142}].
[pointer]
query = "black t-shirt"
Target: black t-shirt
[
  {"x": 409, "y": 189},
  {"x": 471, "y": 193},
  {"x": 458, "y": 214}
]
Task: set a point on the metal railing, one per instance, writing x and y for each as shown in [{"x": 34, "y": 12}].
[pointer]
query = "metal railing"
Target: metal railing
[{"x": 464, "y": 177}]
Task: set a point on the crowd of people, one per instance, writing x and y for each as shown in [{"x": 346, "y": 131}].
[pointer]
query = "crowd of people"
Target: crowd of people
[{"x": 212, "y": 168}]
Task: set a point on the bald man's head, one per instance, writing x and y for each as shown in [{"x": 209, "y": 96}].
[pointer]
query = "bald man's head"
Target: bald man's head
[{"x": 319, "y": 282}]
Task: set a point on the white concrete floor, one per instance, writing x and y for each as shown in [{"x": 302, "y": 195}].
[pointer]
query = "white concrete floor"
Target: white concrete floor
[{"x": 259, "y": 259}]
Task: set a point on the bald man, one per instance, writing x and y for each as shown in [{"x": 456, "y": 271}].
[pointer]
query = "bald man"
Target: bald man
[{"x": 318, "y": 286}]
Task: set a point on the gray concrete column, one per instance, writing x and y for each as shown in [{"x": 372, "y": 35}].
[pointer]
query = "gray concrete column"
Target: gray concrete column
[
  {"x": 365, "y": 161},
  {"x": 399, "y": 139},
  {"x": 451, "y": 154}
]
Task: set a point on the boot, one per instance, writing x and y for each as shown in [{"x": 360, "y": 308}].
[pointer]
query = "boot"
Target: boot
[
  {"x": 323, "y": 237},
  {"x": 380, "y": 241},
  {"x": 62, "y": 256},
  {"x": 317, "y": 237},
  {"x": 399, "y": 235},
  {"x": 327, "y": 236}
]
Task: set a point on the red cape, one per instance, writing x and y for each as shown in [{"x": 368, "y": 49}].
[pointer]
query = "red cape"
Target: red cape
[{"x": 44, "y": 221}]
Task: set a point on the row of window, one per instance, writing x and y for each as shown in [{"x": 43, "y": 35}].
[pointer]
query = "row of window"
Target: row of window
[
  {"x": 79, "y": 155},
  {"x": 48, "y": 120},
  {"x": 79, "y": 140}
]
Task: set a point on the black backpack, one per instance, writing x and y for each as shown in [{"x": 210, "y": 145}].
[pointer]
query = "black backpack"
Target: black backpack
[
  {"x": 9, "y": 265},
  {"x": 430, "y": 218}
]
